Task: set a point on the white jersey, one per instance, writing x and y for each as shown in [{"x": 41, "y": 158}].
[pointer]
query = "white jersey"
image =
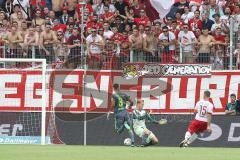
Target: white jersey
[
  {"x": 203, "y": 109},
  {"x": 94, "y": 49},
  {"x": 139, "y": 118},
  {"x": 169, "y": 37},
  {"x": 188, "y": 37}
]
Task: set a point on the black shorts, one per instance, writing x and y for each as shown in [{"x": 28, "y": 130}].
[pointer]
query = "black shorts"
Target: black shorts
[
  {"x": 74, "y": 56},
  {"x": 121, "y": 118},
  {"x": 152, "y": 58},
  {"x": 203, "y": 58}
]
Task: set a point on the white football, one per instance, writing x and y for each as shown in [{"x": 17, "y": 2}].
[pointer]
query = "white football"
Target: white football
[{"x": 127, "y": 142}]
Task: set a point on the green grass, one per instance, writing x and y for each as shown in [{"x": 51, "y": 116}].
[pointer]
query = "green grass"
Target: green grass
[{"x": 64, "y": 152}]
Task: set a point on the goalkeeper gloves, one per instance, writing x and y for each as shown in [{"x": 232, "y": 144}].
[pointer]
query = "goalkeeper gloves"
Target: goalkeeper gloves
[{"x": 162, "y": 121}]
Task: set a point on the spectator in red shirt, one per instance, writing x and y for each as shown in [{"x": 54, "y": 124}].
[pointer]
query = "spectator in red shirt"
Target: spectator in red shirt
[
  {"x": 236, "y": 10},
  {"x": 138, "y": 7},
  {"x": 107, "y": 16},
  {"x": 174, "y": 28},
  {"x": 232, "y": 4},
  {"x": 142, "y": 20},
  {"x": 179, "y": 21},
  {"x": 220, "y": 47},
  {"x": 58, "y": 26},
  {"x": 94, "y": 23},
  {"x": 220, "y": 39},
  {"x": 195, "y": 22},
  {"x": 117, "y": 37},
  {"x": 79, "y": 9},
  {"x": 41, "y": 3}
]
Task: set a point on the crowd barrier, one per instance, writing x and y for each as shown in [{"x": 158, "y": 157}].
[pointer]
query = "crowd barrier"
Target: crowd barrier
[{"x": 60, "y": 56}]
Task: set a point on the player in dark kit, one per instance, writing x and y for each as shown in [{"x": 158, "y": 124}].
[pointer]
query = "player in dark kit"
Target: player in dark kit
[{"x": 121, "y": 116}]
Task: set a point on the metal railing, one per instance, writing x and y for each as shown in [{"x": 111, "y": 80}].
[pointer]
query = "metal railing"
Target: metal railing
[{"x": 225, "y": 57}]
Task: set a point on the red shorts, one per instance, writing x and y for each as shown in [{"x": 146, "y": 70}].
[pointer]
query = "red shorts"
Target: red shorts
[{"x": 197, "y": 126}]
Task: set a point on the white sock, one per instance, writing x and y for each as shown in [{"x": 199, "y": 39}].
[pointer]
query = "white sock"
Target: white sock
[
  {"x": 187, "y": 136},
  {"x": 192, "y": 138}
]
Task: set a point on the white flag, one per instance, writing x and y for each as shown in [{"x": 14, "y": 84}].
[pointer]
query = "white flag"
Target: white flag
[{"x": 162, "y": 6}]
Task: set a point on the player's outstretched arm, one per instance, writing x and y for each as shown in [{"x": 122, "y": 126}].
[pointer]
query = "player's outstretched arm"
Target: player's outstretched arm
[{"x": 151, "y": 119}]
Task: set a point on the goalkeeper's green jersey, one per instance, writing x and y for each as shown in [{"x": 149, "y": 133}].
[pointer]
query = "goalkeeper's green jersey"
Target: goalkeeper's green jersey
[{"x": 140, "y": 117}]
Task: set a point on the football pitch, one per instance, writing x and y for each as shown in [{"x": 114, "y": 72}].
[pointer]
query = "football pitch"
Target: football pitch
[{"x": 65, "y": 152}]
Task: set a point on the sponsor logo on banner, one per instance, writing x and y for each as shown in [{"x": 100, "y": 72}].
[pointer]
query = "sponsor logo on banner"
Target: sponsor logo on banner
[
  {"x": 214, "y": 135},
  {"x": 233, "y": 137},
  {"x": 134, "y": 70},
  {"x": 22, "y": 140},
  {"x": 233, "y": 134},
  {"x": 10, "y": 129}
]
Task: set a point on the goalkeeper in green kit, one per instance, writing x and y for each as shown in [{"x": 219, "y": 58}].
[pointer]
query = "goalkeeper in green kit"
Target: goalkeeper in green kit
[{"x": 139, "y": 117}]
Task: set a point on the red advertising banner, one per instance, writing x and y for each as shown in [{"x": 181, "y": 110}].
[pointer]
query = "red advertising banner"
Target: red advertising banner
[{"x": 21, "y": 90}]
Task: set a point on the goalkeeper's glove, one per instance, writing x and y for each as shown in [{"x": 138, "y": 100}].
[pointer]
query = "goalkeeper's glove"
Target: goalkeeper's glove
[{"x": 162, "y": 121}]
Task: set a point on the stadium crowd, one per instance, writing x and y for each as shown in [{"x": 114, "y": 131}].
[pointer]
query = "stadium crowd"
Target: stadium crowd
[{"x": 119, "y": 31}]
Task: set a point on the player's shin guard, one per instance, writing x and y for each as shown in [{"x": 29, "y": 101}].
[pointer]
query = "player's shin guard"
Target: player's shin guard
[
  {"x": 184, "y": 143},
  {"x": 130, "y": 132},
  {"x": 193, "y": 137},
  {"x": 144, "y": 139},
  {"x": 149, "y": 139},
  {"x": 187, "y": 136}
]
